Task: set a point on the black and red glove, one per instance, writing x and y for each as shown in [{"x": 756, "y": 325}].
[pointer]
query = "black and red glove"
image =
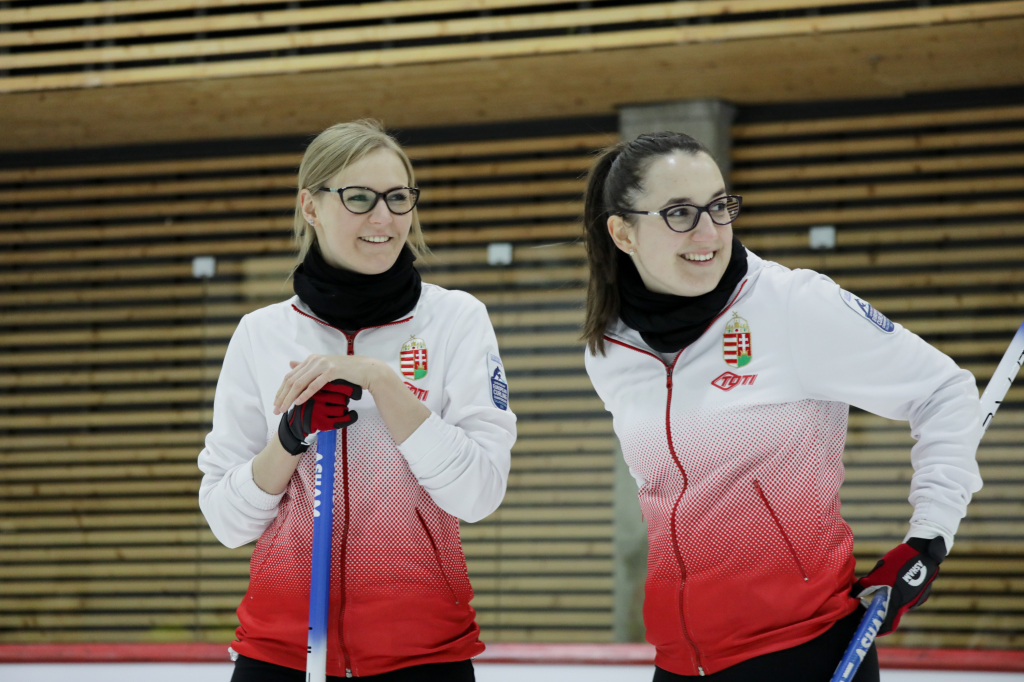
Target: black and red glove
[
  {"x": 909, "y": 570},
  {"x": 325, "y": 411}
]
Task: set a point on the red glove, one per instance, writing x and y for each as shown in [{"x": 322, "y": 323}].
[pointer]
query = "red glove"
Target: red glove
[
  {"x": 325, "y": 411},
  {"x": 909, "y": 570}
]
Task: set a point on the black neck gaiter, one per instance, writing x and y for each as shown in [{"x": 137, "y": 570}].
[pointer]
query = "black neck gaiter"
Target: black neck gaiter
[
  {"x": 670, "y": 323},
  {"x": 349, "y": 300}
]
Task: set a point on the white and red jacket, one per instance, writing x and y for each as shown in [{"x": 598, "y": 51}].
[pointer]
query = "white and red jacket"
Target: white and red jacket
[
  {"x": 736, "y": 443},
  {"x": 400, "y": 591}
]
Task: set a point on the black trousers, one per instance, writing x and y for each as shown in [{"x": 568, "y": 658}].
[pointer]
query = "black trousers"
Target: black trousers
[
  {"x": 251, "y": 670},
  {"x": 813, "y": 661}
]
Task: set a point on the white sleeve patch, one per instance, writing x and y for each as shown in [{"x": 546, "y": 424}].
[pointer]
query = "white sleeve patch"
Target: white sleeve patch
[
  {"x": 867, "y": 311},
  {"x": 499, "y": 386}
]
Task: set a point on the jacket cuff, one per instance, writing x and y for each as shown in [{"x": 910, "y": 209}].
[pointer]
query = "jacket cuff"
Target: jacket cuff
[
  {"x": 934, "y": 519},
  {"x": 425, "y": 442},
  {"x": 252, "y": 493}
]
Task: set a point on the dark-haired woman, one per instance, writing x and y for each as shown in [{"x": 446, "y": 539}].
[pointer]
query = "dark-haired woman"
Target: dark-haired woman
[
  {"x": 729, "y": 379},
  {"x": 425, "y": 440}
]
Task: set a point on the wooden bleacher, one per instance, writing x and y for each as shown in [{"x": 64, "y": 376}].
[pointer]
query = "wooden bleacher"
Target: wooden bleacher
[{"x": 100, "y": 318}]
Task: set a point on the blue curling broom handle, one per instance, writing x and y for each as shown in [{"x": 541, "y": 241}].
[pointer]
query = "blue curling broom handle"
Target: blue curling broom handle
[
  {"x": 320, "y": 569},
  {"x": 864, "y": 637}
]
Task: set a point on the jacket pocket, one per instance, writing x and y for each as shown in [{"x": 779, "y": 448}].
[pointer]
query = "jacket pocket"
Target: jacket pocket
[
  {"x": 437, "y": 554},
  {"x": 782, "y": 531},
  {"x": 263, "y": 551}
]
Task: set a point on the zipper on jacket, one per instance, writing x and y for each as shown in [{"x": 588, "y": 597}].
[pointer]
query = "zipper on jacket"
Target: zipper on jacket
[
  {"x": 351, "y": 339},
  {"x": 778, "y": 524},
  {"x": 437, "y": 554},
  {"x": 344, "y": 529},
  {"x": 669, "y": 369},
  {"x": 344, "y": 550}
]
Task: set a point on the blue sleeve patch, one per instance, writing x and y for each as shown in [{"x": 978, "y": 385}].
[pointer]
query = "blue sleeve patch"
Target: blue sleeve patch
[
  {"x": 499, "y": 386},
  {"x": 867, "y": 311}
]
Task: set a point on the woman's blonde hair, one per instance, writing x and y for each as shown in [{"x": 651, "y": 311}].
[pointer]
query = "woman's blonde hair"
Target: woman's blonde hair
[{"x": 334, "y": 150}]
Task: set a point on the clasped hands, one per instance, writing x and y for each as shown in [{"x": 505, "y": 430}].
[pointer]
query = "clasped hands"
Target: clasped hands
[{"x": 315, "y": 394}]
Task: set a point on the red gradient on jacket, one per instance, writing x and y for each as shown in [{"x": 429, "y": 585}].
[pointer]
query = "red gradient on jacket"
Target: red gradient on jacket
[
  {"x": 406, "y": 594},
  {"x": 745, "y": 592}
]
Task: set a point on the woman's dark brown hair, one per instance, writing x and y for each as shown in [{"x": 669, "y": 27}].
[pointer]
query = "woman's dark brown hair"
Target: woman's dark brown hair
[{"x": 614, "y": 181}]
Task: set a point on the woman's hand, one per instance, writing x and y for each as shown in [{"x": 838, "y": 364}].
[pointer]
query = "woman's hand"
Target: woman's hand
[
  {"x": 401, "y": 411},
  {"x": 909, "y": 570},
  {"x": 310, "y": 375}
]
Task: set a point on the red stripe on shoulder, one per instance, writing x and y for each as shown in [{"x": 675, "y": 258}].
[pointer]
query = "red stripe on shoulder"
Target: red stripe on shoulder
[{"x": 638, "y": 350}]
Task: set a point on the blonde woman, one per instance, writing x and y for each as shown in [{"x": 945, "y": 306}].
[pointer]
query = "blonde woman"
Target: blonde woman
[{"x": 410, "y": 373}]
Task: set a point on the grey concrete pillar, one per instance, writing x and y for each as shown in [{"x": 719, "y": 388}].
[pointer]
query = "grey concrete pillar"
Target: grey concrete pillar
[
  {"x": 708, "y": 120},
  {"x": 630, "y": 564}
]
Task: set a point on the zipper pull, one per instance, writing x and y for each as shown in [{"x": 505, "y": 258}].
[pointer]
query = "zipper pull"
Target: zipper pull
[
  {"x": 700, "y": 670},
  {"x": 668, "y": 377},
  {"x": 348, "y": 673}
]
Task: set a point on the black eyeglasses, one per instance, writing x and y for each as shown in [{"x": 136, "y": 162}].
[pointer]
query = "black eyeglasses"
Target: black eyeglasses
[
  {"x": 360, "y": 200},
  {"x": 684, "y": 217}
]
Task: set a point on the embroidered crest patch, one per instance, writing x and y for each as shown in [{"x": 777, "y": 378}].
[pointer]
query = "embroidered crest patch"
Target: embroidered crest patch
[
  {"x": 867, "y": 311},
  {"x": 736, "y": 348},
  {"x": 413, "y": 359},
  {"x": 499, "y": 386}
]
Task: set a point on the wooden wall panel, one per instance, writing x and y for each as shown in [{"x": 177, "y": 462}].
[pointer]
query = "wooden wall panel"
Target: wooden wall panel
[{"x": 99, "y": 316}]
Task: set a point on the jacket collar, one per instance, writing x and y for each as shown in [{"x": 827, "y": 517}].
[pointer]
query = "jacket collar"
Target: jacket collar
[
  {"x": 303, "y": 311},
  {"x": 619, "y": 331}
]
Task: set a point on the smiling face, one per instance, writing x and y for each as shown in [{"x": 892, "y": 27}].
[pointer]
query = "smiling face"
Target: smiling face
[
  {"x": 368, "y": 243},
  {"x": 683, "y": 264}
]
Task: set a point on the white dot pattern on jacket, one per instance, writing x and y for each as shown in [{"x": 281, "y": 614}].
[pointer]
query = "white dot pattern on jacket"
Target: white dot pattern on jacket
[
  {"x": 758, "y": 526},
  {"x": 399, "y": 581}
]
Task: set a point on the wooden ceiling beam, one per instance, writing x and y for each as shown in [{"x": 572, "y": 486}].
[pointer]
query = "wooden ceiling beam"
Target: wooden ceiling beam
[
  {"x": 202, "y": 23},
  {"x": 314, "y": 17},
  {"x": 557, "y": 44},
  {"x": 871, "y": 63},
  {"x": 103, "y": 10}
]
